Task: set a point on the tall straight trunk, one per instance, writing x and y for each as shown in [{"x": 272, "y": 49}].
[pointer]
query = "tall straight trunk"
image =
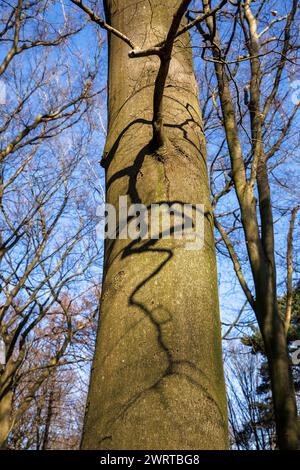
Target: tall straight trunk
[
  {"x": 272, "y": 326},
  {"x": 283, "y": 392},
  {"x": 5, "y": 417},
  {"x": 157, "y": 378}
]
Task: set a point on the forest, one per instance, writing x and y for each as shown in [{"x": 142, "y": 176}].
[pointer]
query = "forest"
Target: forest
[{"x": 149, "y": 226}]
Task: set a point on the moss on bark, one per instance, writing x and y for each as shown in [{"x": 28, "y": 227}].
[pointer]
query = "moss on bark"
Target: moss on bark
[{"x": 157, "y": 380}]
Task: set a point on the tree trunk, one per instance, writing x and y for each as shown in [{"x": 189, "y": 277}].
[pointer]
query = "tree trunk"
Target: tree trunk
[
  {"x": 5, "y": 418},
  {"x": 272, "y": 326},
  {"x": 283, "y": 392},
  {"x": 157, "y": 378},
  {"x": 49, "y": 415},
  {"x": 285, "y": 408}
]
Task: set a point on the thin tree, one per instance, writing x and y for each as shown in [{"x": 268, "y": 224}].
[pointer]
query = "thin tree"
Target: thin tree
[{"x": 257, "y": 51}]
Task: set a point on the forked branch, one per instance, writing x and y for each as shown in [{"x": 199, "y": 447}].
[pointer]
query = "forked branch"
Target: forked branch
[{"x": 163, "y": 50}]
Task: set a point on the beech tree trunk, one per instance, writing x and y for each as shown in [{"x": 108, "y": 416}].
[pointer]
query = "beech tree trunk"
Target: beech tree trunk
[
  {"x": 5, "y": 418},
  {"x": 157, "y": 378}
]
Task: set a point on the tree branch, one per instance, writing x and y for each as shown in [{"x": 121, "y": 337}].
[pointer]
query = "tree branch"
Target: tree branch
[
  {"x": 236, "y": 263},
  {"x": 99, "y": 21}
]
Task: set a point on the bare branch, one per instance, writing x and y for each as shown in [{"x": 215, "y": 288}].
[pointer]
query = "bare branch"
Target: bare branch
[{"x": 99, "y": 21}]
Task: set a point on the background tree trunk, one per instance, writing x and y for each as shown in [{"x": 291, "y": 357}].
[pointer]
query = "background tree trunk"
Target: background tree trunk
[
  {"x": 157, "y": 379},
  {"x": 283, "y": 392}
]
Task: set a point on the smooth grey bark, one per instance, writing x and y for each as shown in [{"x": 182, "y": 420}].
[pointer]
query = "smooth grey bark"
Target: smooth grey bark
[
  {"x": 5, "y": 418},
  {"x": 157, "y": 378}
]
